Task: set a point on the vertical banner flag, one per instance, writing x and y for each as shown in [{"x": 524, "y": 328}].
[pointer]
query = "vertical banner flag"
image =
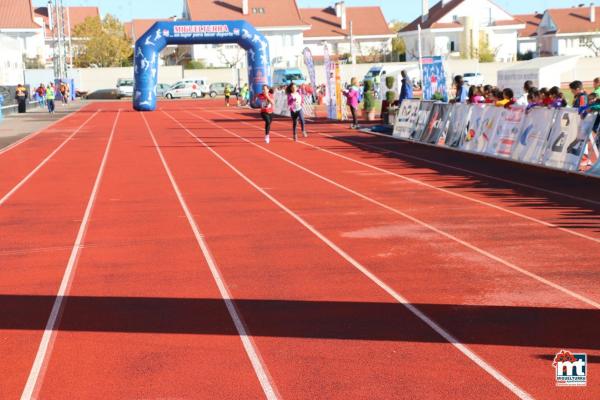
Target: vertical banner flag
[
  {"x": 423, "y": 117},
  {"x": 407, "y": 118},
  {"x": 330, "y": 85},
  {"x": 434, "y": 79},
  {"x": 435, "y": 130},
  {"x": 507, "y": 132},
  {"x": 534, "y": 136},
  {"x": 482, "y": 126},
  {"x": 310, "y": 66},
  {"x": 338, "y": 91},
  {"x": 567, "y": 141},
  {"x": 459, "y": 123}
]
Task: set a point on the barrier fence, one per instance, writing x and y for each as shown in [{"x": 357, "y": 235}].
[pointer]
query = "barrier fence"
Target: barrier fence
[{"x": 554, "y": 138}]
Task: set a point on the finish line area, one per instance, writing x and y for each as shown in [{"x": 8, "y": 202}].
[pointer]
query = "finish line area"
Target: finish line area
[{"x": 175, "y": 254}]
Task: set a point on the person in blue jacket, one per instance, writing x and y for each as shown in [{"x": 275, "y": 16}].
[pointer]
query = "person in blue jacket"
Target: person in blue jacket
[{"x": 406, "y": 90}]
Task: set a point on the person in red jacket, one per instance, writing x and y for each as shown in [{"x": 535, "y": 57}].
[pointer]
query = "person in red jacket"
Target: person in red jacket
[{"x": 266, "y": 109}]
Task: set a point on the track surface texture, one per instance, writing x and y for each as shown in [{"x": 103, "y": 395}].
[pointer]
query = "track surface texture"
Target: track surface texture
[{"x": 175, "y": 255}]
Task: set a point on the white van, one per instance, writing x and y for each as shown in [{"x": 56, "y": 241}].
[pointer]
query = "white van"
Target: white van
[
  {"x": 184, "y": 89},
  {"x": 202, "y": 84}
]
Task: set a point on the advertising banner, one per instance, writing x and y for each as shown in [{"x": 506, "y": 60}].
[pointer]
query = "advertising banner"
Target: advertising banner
[
  {"x": 422, "y": 118},
  {"x": 459, "y": 122},
  {"x": 338, "y": 91},
  {"x": 482, "y": 126},
  {"x": 567, "y": 141},
  {"x": 508, "y": 128},
  {"x": 407, "y": 118},
  {"x": 532, "y": 140},
  {"x": 436, "y": 127},
  {"x": 310, "y": 66},
  {"x": 434, "y": 79},
  {"x": 330, "y": 98}
]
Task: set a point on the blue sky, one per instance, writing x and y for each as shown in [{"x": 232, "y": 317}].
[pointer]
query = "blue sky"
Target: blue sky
[{"x": 404, "y": 10}]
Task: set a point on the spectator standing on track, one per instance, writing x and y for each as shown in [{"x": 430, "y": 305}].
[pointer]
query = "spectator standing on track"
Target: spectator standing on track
[
  {"x": 266, "y": 110},
  {"x": 227, "y": 93},
  {"x": 523, "y": 100},
  {"x": 64, "y": 93},
  {"x": 294, "y": 100},
  {"x": 352, "y": 95},
  {"x": 243, "y": 95},
  {"x": 580, "y": 100},
  {"x": 50, "y": 96},
  {"x": 406, "y": 90},
  {"x": 461, "y": 91},
  {"x": 21, "y": 96}
]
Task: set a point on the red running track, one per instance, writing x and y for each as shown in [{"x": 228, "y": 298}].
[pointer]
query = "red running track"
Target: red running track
[{"x": 176, "y": 255}]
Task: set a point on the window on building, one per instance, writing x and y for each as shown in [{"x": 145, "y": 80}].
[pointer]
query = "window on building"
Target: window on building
[
  {"x": 258, "y": 10},
  {"x": 583, "y": 40},
  {"x": 452, "y": 46}
]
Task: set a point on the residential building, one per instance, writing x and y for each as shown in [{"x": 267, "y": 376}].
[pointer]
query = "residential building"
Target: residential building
[
  {"x": 337, "y": 24},
  {"x": 570, "y": 31},
  {"x": 18, "y": 32},
  {"x": 278, "y": 20},
  {"x": 457, "y": 28},
  {"x": 528, "y": 37},
  {"x": 72, "y": 16}
]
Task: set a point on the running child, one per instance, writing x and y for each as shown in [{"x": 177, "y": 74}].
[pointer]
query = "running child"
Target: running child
[
  {"x": 227, "y": 93},
  {"x": 352, "y": 94},
  {"x": 294, "y": 100},
  {"x": 266, "y": 109}
]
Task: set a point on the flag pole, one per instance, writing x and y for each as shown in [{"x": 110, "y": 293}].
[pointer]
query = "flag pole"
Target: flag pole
[{"x": 420, "y": 55}]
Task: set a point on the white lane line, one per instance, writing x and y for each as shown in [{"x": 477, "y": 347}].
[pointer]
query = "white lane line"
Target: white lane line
[
  {"x": 36, "y": 375},
  {"x": 44, "y": 161},
  {"x": 253, "y": 354},
  {"x": 419, "y": 222},
  {"x": 34, "y": 134},
  {"x": 422, "y": 183},
  {"x": 398, "y": 297}
]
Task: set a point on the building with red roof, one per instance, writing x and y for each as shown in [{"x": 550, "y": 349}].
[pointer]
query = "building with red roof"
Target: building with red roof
[
  {"x": 527, "y": 37},
  {"x": 337, "y": 24},
  {"x": 455, "y": 28},
  {"x": 570, "y": 31},
  {"x": 18, "y": 37}
]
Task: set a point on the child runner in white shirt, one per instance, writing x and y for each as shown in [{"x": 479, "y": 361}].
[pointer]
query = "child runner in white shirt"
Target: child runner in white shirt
[{"x": 295, "y": 105}]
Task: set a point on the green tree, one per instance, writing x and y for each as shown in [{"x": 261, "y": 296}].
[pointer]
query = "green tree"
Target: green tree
[
  {"x": 195, "y": 64},
  {"x": 102, "y": 42},
  {"x": 486, "y": 53},
  {"x": 398, "y": 45}
]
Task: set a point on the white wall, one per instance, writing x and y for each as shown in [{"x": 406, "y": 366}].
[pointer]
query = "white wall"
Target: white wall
[
  {"x": 11, "y": 61},
  {"x": 91, "y": 79},
  {"x": 526, "y": 45},
  {"x": 504, "y": 42}
]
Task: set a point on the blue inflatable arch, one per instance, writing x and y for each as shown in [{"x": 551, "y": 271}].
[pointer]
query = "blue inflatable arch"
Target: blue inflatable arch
[{"x": 161, "y": 34}]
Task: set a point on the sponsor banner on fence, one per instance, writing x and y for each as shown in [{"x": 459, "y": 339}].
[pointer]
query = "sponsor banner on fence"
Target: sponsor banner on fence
[
  {"x": 407, "y": 118},
  {"x": 436, "y": 127},
  {"x": 567, "y": 141},
  {"x": 595, "y": 170},
  {"x": 422, "y": 118},
  {"x": 508, "y": 128},
  {"x": 281, "y": 105},
  {"x": 434, "y": 79},
  {"x": 482, "y": 126},
  {"x": 459, "y": 122},
  {"x": 533, "y": 138}
]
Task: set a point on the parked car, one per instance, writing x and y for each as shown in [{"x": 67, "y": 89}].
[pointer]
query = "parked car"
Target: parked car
[
  {"x": 124, "y": 88},
  {"x": 218, "y": 89},
  {"x": 161, "y": 89},
  {"x": 285, "y": 76},
  {"x": 184, "y": 89},
  {"x": 473, "y": 78},
  {"x": 202, "y": 83}
]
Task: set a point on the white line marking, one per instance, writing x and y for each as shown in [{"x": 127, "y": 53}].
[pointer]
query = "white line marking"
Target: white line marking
[
  {"x": 418, "y": 221},
  {"x": 44, "y": 161},
  {"x": 419, "y": 182},
  {"x": 259, "y": 368},
  {"x": 44, "y": 349},
  {"x": 34, "y": 134},
  {"x": 398, "y": 297}
]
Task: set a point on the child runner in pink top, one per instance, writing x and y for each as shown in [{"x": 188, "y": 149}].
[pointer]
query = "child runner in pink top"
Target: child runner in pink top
[
  {"x": 295, "y": 104},
  {"x": 352, "y": 94}
]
